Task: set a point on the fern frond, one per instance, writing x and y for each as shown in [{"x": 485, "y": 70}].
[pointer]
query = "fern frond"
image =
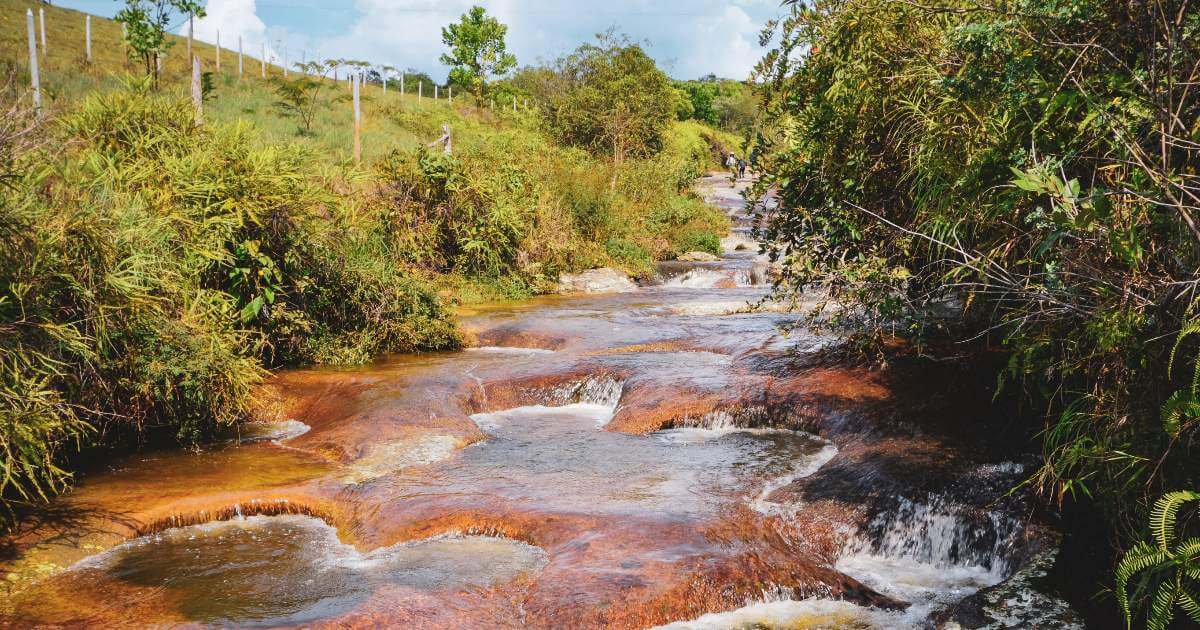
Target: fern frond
[
  {"x": 1188, "y": 602},
  {"x": 1188, "y": 552},
  {"x": 1162, "y": 517},
  {"x": 1141, "y": 557},
  {"x": 1191, "y": 327},
  {"x": 1181, "y": 406},
  {"x": 1162, "y": 610}
]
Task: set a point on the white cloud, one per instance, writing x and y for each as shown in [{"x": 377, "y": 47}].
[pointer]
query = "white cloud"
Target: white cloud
[
  {"x": 688, "y": 38},
  {"x": 231, "y": 19}
]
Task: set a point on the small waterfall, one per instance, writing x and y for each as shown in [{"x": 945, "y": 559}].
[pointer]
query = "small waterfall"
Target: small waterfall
[
  {"x": 932, "y": 553},
  {"x": 725, "y": 419},
  {"x": 942, "y": 534},
  {"x": 701, "y": 278},
  {"x": 602, "y": 389}
]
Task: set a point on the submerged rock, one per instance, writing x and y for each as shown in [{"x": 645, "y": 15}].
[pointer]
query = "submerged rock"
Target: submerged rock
[
  {"x": 698, "y": 257},
  {"x": 603, "y": 280}
]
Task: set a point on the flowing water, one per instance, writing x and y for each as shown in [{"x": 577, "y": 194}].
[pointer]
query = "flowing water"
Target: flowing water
[{"x": 660, "y": 457}]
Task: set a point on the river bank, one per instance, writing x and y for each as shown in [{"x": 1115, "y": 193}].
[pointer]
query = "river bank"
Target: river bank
[{"x": 659, "y": 456}]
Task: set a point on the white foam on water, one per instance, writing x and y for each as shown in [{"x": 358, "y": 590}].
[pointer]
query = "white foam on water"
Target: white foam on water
[
  {"x": 700, "y": 279},
  {"x": 599, "y": 414},
  {"x": 509, "y": 350},
  {"x": 810, "y": 614},
  {"x": 931, "y": 554},
  {"x": 727, "y": 307},
  {"x": 697, "y": 435}
]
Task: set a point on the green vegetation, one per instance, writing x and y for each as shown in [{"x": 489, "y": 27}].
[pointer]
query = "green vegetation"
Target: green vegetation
[
  {"x": 145, "y": 23},
  {"x": 477, "y": 50},
  {"x": 1030, "y": 167},
  {"x": 720, "y": 103},
  {"x": 1179, "y": 560},
  {"x": 300, "y": 98},
  {"x": 610, "y": 99},
  {"x": 152, "y": 270}
]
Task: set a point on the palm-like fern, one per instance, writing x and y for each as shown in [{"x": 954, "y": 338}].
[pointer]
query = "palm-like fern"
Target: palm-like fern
[
  {"x": 1174, "y": 566},
  {"x": 1182, "y": 409}
]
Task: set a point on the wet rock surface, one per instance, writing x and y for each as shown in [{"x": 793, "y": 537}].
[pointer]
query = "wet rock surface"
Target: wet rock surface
[
  {"x": 698, "y": 257},
  {"x": 604, "y": 280},
  {"x": 636, "y": 458}
]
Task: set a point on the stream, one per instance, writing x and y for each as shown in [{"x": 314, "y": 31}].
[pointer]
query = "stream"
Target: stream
[{"x": 660, "y": 457}]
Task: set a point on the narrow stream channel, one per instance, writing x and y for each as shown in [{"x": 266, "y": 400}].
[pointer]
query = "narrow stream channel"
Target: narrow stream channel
[{"x": 658, "y": 457}]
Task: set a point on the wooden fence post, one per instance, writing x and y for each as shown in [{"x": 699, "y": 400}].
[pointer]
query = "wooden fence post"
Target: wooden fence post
[
  {"x": 435, "y": 91},
  {"x": 197, "y": 91},
  {"x": 357, "y": 123},
  {"x": 262, "y": 63},
  {"x": 402, "y": 85},
  {"x": 218, "y": 51},
  {"x": 450, "y": 94},
  {"x": 33, "y": 64},
  {"x": 420, "y": 85},
  {"x": 42, "y": 22},
  {"x": 87, "y": 30}
]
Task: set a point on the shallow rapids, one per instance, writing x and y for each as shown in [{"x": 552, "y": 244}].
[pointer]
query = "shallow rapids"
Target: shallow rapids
[{"x": 632, "y": 460}]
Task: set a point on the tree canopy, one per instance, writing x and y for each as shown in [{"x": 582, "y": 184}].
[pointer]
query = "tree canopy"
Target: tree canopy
[
  {"x": 146, "y": 27},
  {"x": 477, "y": 50},
  {"x": 611, "y": 99}
]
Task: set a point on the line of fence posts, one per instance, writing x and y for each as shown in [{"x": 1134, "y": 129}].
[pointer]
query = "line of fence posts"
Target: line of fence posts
[{"x": 197, "y": 94}]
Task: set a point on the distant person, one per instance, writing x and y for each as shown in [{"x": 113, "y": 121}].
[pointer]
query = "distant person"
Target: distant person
[
  {"x": 741, "y": 168},
  {"x": 732, "y": 165}
]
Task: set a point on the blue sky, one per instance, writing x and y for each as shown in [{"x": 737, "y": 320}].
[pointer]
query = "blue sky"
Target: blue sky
[{"x": 688, "y": 38}]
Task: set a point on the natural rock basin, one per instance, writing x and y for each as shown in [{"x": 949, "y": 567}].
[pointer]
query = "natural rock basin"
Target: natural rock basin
[
  {"x": 658, "y": 456},
  {"x": 283, "y": 570}
]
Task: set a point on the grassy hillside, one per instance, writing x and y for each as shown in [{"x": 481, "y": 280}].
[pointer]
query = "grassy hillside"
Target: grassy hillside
[{"x": 151, "y": 269}]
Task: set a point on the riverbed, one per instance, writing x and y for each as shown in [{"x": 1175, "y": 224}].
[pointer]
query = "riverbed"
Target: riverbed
[{"x": 675, "y": 455}]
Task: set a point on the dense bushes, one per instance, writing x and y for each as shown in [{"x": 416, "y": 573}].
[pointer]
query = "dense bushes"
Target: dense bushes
[
  {"x": 1032, "y": 165},
  {"x": 512, "y": 205},
  {"x": 154, "y": 269},
  {"x": 148, "y": 275}
]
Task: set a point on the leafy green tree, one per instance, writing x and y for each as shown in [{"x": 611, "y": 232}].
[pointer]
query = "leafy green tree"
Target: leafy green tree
[
  {"x": 477, "y": 50},
  {"x": 299, "y": 98},
  {"x": 616, "y": 101},
  {"x": 146, "y": 27}
]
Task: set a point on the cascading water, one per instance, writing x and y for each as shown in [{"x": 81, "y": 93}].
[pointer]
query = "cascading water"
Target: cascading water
[
  {"x": 677, "y": 494},
  {"x": 932, "y": 553}
]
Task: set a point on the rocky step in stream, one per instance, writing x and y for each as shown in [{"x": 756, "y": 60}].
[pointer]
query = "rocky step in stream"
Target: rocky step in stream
[{"x": 618, "y": 457}]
